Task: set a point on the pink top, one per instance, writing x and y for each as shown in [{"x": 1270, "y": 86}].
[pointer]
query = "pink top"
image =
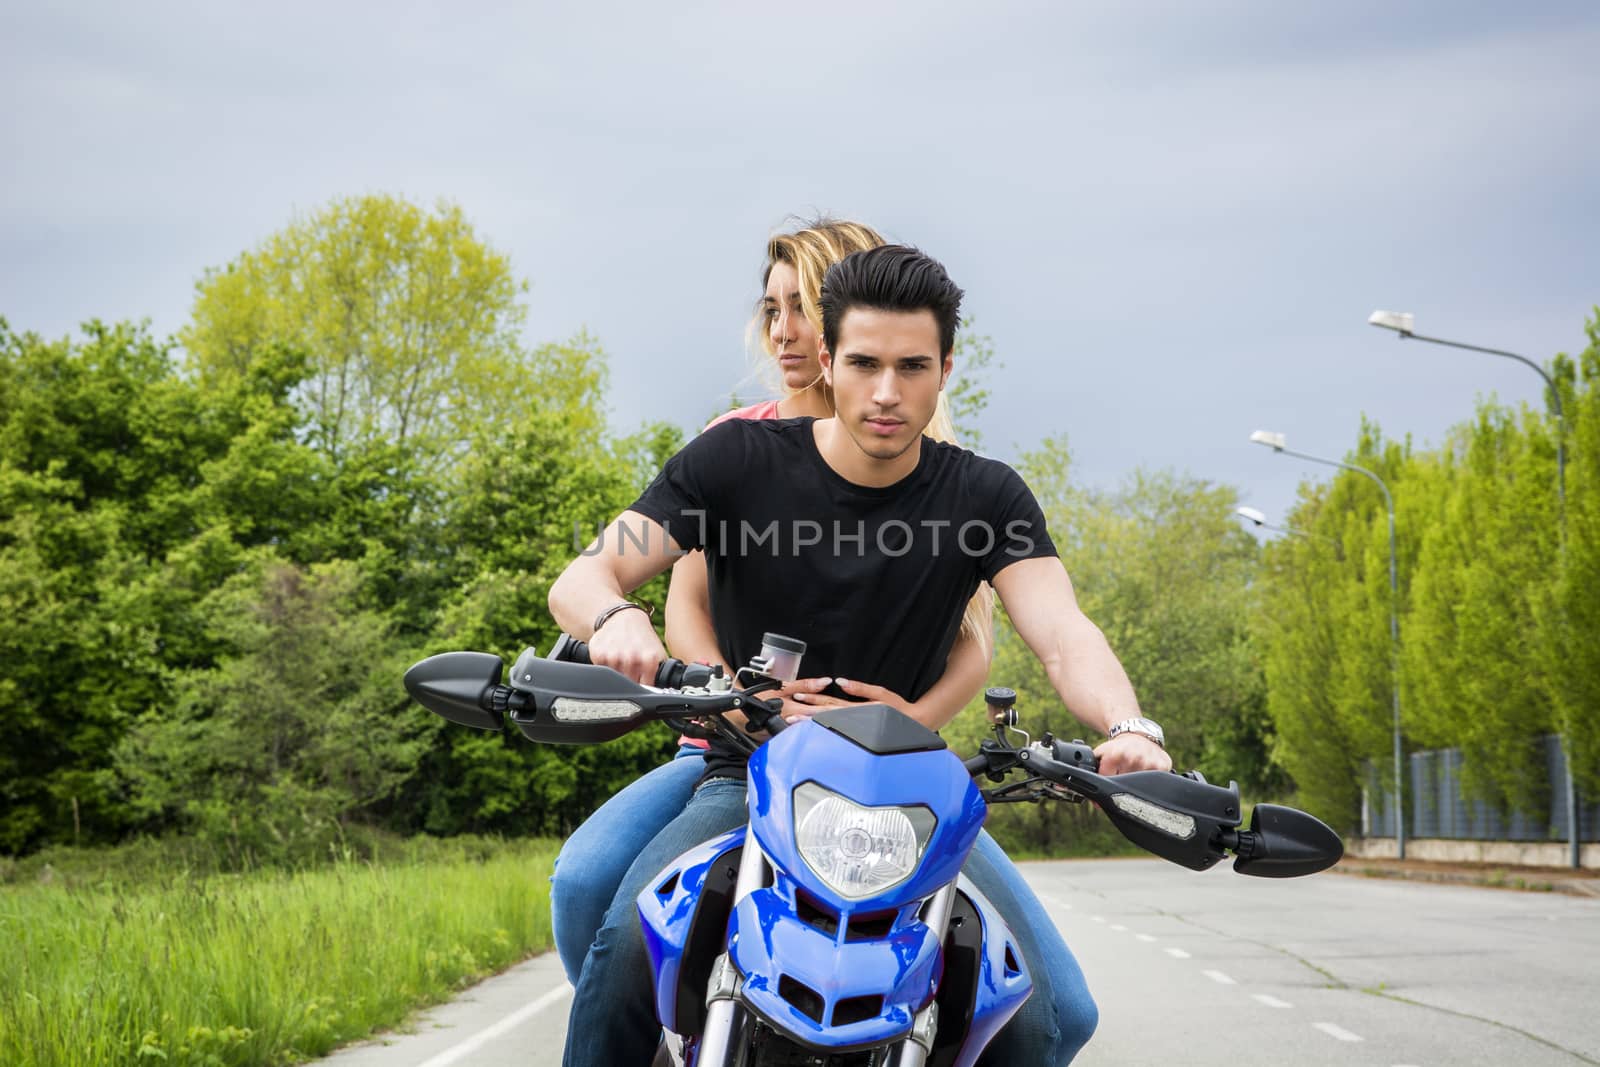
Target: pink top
[{"x": 767, "y": 409}]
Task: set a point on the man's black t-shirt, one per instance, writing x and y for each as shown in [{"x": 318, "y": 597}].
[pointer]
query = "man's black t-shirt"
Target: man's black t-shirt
[{"x": 874, "y": 580}]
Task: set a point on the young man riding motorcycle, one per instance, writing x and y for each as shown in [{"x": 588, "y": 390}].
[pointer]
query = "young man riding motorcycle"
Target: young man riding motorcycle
[{"x": 864, "y": 538}]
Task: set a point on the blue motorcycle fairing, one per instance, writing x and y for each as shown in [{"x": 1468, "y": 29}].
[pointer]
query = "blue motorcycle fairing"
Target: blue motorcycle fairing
[
  {"x": 1003, "y": 982},
  {"x": 835, "y": 994},
  {"x": 823, "y": 987},
  {"x": 936, "y": 780},
  {"x": 668, "y": 908}
]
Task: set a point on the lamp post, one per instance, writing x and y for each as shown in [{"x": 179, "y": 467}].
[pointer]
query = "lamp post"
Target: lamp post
[
  {"x": 1277, "y": 442},
  {"x": 1259, "y": 518},
  {"x": 1402, "y": 323}
]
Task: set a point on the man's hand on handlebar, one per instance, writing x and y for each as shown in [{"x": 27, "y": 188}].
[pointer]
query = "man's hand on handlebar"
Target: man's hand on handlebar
[
  {"x": 628, "y": 644},
  {"x": 1132, "y": 752}
]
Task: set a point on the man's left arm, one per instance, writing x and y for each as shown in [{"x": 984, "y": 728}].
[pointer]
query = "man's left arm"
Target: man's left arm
[{"x": 1085, "y": 673}]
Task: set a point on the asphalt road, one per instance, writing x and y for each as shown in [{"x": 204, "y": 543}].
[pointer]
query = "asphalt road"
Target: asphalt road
[{"x": 1216, "y": 969}]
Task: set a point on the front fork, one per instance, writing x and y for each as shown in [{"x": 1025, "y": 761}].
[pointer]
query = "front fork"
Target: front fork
[
  {"x": 727, "y": 1034},
  {"x": 915, "y": 1049}
]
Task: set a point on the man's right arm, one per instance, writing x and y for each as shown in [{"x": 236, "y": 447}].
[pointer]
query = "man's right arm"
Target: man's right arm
[{"x": 629, "y": 552}]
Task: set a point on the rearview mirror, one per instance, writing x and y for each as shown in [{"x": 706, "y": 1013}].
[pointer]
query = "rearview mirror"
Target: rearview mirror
[
  {"x": 1288, "y": 843},
  {"x": 452, "y": 684}
]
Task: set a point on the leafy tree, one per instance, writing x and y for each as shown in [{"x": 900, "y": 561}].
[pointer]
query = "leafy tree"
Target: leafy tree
[
  {"x": 1471, "y": 638},
  {"x": 104, "y": 454},
  {"x": 1299, "y": 635},
  {"x": 128, "y": 492},
  {"x": 1330, "y": 663},
  {"x": 296, "y": 729},
  {"x": 1571, "y": 631},
  {"x": 411, "y": 322},
  {"x": 531, "y": 496}
]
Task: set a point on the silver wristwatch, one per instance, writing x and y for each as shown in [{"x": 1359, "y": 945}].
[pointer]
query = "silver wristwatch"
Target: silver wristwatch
[{"x": 1141, "y": 726}]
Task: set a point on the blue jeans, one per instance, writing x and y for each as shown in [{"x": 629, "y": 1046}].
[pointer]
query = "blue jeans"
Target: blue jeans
[
  {"x": 597, "y": 855},
  {"x": 1054, "y": 1024},
  {"x": 613, "y": 1013}
]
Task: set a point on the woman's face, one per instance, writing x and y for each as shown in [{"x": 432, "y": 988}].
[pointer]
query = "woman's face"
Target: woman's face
[{"x": 794, "y": 342}]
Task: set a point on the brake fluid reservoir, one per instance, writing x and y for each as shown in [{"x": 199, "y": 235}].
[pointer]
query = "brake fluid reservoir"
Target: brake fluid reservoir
[{"x": 781, "y": 656}]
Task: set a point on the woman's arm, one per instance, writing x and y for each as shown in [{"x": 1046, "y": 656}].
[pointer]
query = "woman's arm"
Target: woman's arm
[
  {"x": 688, "y": 615},
  {"x": 964, "y": 674}
]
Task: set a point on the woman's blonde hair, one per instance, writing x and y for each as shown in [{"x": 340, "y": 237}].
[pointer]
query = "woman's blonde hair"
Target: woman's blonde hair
[{"x": 811, "y": 249}]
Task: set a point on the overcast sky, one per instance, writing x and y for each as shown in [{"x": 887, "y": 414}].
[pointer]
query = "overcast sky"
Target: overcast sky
[{"x": 1172, "y": 218}]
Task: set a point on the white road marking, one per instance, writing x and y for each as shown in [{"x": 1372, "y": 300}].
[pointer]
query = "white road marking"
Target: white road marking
[
  {"x": 1219, "y": 978},
  {"x": 1177, "y": 953},
  {"x": 1338, "y": 1032},
  {"x": 1144, "y": 937},
  {"x": 1097, "y": 918},
  {"x": 1055, "y": 902},
  {"x": 1119, "y": 928},
  {"x": 1271, "y": 1001},
  {"x": 488, "y": 1034}
]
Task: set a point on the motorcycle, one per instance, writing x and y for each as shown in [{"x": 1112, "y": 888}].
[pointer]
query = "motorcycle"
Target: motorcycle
[{"x": 835, "y": 929}]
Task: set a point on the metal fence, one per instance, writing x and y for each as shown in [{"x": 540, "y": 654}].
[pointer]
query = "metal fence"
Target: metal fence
[{"x": 1437, "y": 808}]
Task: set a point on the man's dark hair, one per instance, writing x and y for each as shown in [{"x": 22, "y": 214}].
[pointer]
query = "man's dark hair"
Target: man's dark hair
[{"x": 890, "y": 278}]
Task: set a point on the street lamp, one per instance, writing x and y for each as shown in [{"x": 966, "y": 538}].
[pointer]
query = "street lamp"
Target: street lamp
[
  {"x": 1403, "y": 323},
  {"x": 1278, "y": 443},
  {"x": 1259, "y": 518}
]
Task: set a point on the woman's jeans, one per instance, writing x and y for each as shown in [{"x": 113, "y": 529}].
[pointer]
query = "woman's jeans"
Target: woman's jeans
[
  {"x": 613, "y": 1021},
  {"x": 597, "y": 855}
]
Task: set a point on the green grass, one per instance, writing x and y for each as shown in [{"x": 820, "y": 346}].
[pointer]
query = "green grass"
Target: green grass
[{"x": 259, "y": 968}]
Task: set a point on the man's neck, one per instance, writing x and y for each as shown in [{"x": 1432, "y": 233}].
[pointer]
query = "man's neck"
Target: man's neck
[{"x": 846, "y": 459}]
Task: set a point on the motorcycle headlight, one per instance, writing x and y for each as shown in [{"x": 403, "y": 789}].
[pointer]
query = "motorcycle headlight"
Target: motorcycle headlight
[{"x": 859, "y": 852}]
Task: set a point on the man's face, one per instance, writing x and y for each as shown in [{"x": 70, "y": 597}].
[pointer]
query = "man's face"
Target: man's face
[{"x": 886, "y": 372}]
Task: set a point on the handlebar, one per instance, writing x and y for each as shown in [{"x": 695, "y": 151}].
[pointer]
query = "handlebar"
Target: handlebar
[
  {"x": 670, "y": 673},
  {"x": 1049, "y": 758},
  {"x": 1181, "y": 818},
  {"x": 676, "y": 674}
]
